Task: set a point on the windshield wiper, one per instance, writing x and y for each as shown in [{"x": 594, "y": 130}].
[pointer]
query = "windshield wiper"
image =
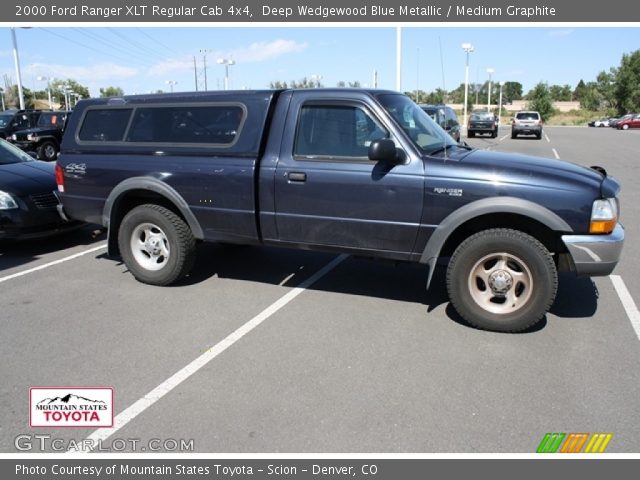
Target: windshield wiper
[{"x": 443, "y": 148}]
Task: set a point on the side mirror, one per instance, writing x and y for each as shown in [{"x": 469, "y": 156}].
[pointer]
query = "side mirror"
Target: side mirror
[{"x": 384, "y": 150}]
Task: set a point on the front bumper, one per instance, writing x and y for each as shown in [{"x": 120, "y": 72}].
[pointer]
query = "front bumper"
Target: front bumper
[{"x": 595, "y": 255}]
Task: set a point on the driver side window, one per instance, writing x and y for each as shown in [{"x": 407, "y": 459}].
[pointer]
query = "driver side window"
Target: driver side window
[{"x": 335, "y": 131}]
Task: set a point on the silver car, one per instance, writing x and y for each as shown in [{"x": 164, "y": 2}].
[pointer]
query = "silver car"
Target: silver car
[{"x": 527, "y": 123}]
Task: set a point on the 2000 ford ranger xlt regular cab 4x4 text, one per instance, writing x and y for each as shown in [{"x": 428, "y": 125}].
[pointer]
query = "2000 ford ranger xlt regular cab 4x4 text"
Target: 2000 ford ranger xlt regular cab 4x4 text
[{"x": 366, "y": 172}]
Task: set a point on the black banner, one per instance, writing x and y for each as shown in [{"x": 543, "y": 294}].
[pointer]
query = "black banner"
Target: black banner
[
  {"x": 263, "y": 469},
  {"x": 279, "y": 11}
]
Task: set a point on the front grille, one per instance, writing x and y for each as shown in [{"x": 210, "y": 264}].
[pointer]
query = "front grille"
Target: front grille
[{"x": 45, "y": 200}]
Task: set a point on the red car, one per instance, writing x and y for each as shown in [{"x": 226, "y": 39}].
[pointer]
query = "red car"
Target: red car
[{"x": 633, "y": 121}]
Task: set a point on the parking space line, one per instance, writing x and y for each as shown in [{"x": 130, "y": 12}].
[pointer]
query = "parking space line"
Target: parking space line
[
  {"x": 51, "y": 264},
  {"x": 177, "y": 378},
  {"x": 547, "y": 138},
  {"x": 555, "y": 152},
  {"x": 627, "y": 302},
  {"x": 502, "y": 138}
]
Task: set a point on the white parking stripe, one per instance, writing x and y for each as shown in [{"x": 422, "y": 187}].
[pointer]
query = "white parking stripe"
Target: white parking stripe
[
  {"x": 627, "y": 302},
  {"x": 556, "y": 153},
  {"x": 547, "y": 138},
  {"x": 172, "y": 382},
  {"x": 503, "y": 137},
  {"x": 51, "y": 264}
]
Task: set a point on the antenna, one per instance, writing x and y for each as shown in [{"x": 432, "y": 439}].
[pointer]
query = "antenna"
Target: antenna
[{"x": 444, "y": 93}]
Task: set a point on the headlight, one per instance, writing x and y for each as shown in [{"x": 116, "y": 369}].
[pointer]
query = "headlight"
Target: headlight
[
  {"x": 32, "y": 137},
  {"x": 6, "y": 201},
  {"x": 14, "y": 137},
  {"x": 604, "y": 216}
]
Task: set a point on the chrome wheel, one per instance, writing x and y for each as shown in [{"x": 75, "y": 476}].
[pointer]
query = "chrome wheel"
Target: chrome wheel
[
  {"x": 500, "y": 283},
  {"x": 150, "y": 246}
]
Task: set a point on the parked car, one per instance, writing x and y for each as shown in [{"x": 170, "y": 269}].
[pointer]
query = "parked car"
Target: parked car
[
  {"x": 614, "y": 123},
  {"x": 482, "y": 122},
  {"x": 29, "y": 205},
  {"x": 14, "y": 120},
  {"x": 358, "y": 171},
  {"x": 526, "y": 123},
  {"x": 43, "y": 139},
  {"x": 600, "y": 122},
  {"x": 631, "y": 121},
  {"x": 444, "y": 116}
]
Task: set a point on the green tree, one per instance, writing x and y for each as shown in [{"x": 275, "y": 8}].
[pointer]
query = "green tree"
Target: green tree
[
  {"x": 627, "y": 85},
  {"x": 540, "y": 100},
  {"x": 590, "y": 98},
  {"x": 111, "y": 92},
  {"x": 560, "y": 93},
  {"x": 76, "y": 90},
  {"x": 580, "y": 91},
  {"x": 511, "y": 91},
  {"x": 277, "y": 85}
]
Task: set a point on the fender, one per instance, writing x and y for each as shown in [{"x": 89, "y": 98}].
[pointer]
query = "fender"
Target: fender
[
  {"x": 156, "y": 186},
  {"x": 486, "y": 206}
]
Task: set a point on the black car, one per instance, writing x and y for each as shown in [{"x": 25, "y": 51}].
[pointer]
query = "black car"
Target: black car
[
  {"x": 482, "y": 122},
  {"x": 44, "y": 138},
  {"x": 29, "y": 205},
  {"x": 444, "y": 116},
  {"x": 14, "y": 120}
]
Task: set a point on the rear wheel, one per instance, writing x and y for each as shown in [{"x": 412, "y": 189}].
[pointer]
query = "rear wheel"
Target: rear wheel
[
  {"x": 625, "y": 127},
  {"x": 48, "y": 151},
  {"x": 513, "y": 135},
  {"x": 502, "y": 280},
  {"x": 157, "y": 246},
  {"x": 539, "y": 136},
  {"x": 471, "y": 134}
]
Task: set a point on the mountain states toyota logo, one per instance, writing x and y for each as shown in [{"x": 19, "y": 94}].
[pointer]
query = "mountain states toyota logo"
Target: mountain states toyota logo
[{"x": 71, "y": 407}]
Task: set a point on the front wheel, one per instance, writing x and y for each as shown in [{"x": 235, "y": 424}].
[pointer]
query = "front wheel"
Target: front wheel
[
  {"x": 502, "y": 280},
  {"x": 157, "y": 246},
  {"x": 625, "y": 127}
]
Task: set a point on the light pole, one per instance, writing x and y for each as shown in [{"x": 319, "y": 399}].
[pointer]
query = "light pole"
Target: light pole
[
  {"x": 468, "y": 48},
  {"x": 16, "y": 59},
  {"x": 204, "y": 52},
  {"x": 40, "y": 79},
  {"x": 171, "y": 83},
  {"x": 500, "y": 106},
  {"x": 489, "y": 71},
  {"x": 316, "y": 79},
  {"x": 2, "y": 96},
  {"x": 227, "y": 62}
]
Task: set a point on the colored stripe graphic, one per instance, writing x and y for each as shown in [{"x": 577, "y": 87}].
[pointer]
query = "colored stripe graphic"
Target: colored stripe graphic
[
  {"x": 550, "y": 443},
  {"x": 574, "y": 442},
  {"x": 598, "y": 443}
]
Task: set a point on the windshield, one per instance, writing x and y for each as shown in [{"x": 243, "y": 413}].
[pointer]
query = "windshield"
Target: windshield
[
  {"x": 482, "y": 116},
  {"x": 5, "y": 119},
  {"x": 416, "y": 123},
  {"x": 10, "y": 154}
]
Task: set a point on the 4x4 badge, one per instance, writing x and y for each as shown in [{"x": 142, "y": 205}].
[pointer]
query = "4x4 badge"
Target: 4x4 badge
[{"x": 77, "y": 168}]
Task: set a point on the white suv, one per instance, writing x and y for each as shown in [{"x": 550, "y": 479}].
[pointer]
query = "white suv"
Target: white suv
[{"x": 528, "y": 123}]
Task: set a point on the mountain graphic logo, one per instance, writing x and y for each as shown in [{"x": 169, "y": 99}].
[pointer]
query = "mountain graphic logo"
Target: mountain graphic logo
[
  {"x": 68, "y": 399},
  {"x": 71, "y": 407}
]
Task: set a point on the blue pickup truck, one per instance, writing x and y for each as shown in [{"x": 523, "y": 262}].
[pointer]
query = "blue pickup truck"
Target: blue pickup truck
[{"x": 364, "y": 172}]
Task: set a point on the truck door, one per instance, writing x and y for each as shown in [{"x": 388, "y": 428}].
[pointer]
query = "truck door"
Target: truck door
[{"x": 328, "y": 192}]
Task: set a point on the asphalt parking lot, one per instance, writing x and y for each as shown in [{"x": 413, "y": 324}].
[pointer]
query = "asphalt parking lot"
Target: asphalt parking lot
[{"x": 341, "y": 354}]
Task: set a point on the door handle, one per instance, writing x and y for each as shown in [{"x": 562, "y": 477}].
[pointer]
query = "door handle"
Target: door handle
[{"x": 300, "y": 177}]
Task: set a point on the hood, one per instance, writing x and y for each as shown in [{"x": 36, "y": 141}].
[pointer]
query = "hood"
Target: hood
[
  {"x": 535, "y": 171},
  {"x": 25, "y": 178}
]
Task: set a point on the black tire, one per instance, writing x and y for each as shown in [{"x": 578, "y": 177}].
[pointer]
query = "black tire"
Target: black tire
[
  {"x": 494, "y": 134},
  {"x": 165, "y": 245},
  {"x": 48, "y": 151},
  {"x": 471, "y": 134},
  {"x": 514, "y": 135},
  {"x": 539, "y": 136},
  {"x": 502, "y": 280}
]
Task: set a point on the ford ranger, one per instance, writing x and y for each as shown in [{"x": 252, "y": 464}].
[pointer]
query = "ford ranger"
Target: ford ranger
[{"x": 366, "y": 172}]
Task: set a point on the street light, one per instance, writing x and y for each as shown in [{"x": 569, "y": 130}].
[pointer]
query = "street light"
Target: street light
[
  {"x": 500, "y": 106},
  {"x": 41, "y": 79},
  {"x": 227, "y": 62},
  {"x": 16, "y": 60},
  {"x": 468, "y": 48},
  {"x": 204, "y": 52},
  {"x": 171, "y": 83},
  {"x": 2, "y": 96},
  {"x": 489, "y": 71}
]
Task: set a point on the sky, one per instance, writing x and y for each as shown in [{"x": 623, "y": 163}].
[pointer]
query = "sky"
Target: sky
[{"x": 144, "y": 59}]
